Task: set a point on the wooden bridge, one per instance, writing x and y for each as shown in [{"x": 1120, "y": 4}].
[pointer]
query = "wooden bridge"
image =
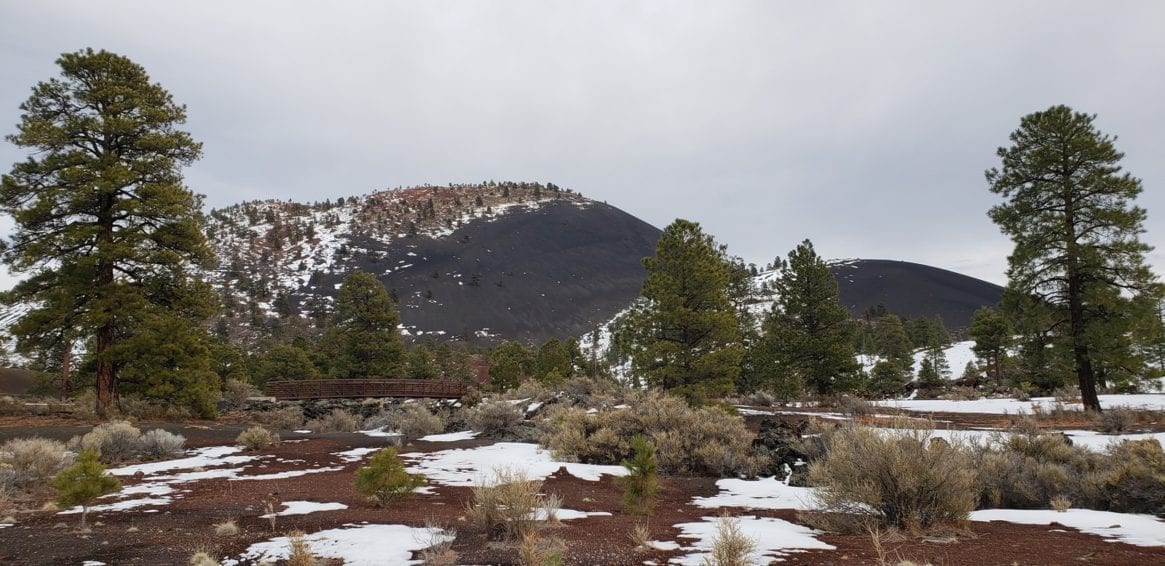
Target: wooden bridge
[{"x": 362, "y": 388}]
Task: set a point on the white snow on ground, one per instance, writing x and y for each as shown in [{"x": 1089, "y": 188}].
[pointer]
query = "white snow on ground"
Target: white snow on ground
[
  {"x": 356, "y": 545},
  {"x": 471, "y": 466},
  {"x": 287, "y": 474},
  {"x": 451, "y": 436},
  {"x": 379, "y": 433},
  {"x": 1149, "y": 401},
  {"x": 762, "y": 493},
  {"x": 1136, "y": 529},
  {"x": 773, "y": 537},
  {"x": 303, "y": 508},
  {"x": 355, "y": 454},
  {"x": 567, "y": 514},
  {"x": 1098, "y": 442},
  {"x": 201, "y": 458}
]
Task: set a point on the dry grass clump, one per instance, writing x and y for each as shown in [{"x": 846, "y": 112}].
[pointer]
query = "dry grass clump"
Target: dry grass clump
[
  {"x": 158, "y": 443},
  {"x": 227, "y": 528},
  {"x": 506, "y": 504},
  {"x": 537, "y": 550},
  {"x": 257, "y": 438},
  {"x": 898, "y": 478},
  {"x": 704, "y": 441},
  {"x": 495, "y": 417},
  {"x": 33, "y": 461},
  {"x": 416, "y": 420},
  {"x": 730, "y": 547},
  {"x": 339, "y": 420},
  {"x": 439, "y": 551},
  {"x": 201, "y": 558},
  {"x": 301, "y": 554},
  {"x": 284, "y": 418}
]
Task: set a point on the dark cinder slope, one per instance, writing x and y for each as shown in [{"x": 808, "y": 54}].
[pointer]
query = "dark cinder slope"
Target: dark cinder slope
[
  {"x": 913, "y": 290},
  {"x": 555, "y": 271}
]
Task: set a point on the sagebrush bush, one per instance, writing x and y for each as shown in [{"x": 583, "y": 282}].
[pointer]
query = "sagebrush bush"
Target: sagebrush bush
[
  {"x": 731, "y": 547},
  {"x": 385, "y": 479},
  {"x": 495, "y": 417},
  {"x": 505, "y": 505},
  {"x": 704, "y": 441},
  {"x": 1134, "y": 481},
  {"x": 284, "y": 418},
  {"x": 380, "y": 420},
  {"x": 33, "y": 461},
  {"x": 597, "y": 392},
  {"x": 1115, "y": 420},
  {"x": 257, "y": 438},
  {"x": 339, "y": 420},
  {"x": 416, "y": 420},
  {"x": 898, "y": 478},
  {"x": 236, "y": 391},
  {"x": 159, "y": 443},
  {"x": 114, "y": 441}
]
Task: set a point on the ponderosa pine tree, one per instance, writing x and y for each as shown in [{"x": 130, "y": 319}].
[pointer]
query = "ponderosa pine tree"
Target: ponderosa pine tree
[
  {"x": 809, "y": 332},
  {"x": 362, "y": 340},
  {"x": 684, "y": 335},
  {"x": 1070, "y": 213},
  {"x": 104, "y": 225},
  {"x": 992, "y": 336}
]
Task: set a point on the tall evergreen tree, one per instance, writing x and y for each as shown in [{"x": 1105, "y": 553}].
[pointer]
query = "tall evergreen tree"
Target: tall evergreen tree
[
  {"x": 809, "y": 332},
  {"x": 363, "y": 339},
  {"x": 1070, "y": 213},
  {"x": 684, "y": 334},
  {"x": 104, "y": 224},
  {"x": 992, "y": 336}
]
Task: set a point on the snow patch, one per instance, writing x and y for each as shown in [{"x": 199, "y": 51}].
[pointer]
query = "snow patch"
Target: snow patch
[{"x": 1130, "y": 528}]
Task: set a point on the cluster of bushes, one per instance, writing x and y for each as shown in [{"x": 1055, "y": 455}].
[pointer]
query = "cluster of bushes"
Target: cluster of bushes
[
  {"x": 909, "y": 479},
  {"x": 120, "y": 441},
  {"x": 697, "y": 441}
]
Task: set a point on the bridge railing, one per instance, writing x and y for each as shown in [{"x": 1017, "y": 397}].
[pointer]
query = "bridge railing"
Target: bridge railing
[{"x": 361, "y": 388}]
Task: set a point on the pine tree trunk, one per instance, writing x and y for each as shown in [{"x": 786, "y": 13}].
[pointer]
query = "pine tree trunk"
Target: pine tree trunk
[
  {"x": 106, "y": 388},
  {"x": 1084, "y": 372}
]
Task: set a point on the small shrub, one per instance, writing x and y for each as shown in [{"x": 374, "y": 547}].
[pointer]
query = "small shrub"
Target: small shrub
[
  {"x": 114, "y": 441},
  {"x": 506, "y": 504},
  {"x": 1060, "y": 503},
  {"x": 83, "y": 482},
  {"x": 34, "y": 460},
  {"x": 1066, "y": 394},
  {"x": 257, "y": 438},
  {"x": 1115, "y": 420},
  {"x": 495, "y": 417},
  {"x": 228, "y": 528},
  {"x": 301, "y": 554},
  {"x": 283, "y": 418},
  {"x": 339, "y": 420},
  {"x": 385, "y": 478},
  {"x": 641, "y": 483},
  {"x": 963, "y": 393},
  {"x": 731, "y": 547},
  {"x": 899, "y": 478},
  {"x": 854, "y": 406},
  {"x": 416, "y": 420},
  {"x": 203, "y": 559},
  {"x": 159, "y": 444},
  {"x": 236, "y": 391},
  {"x": 1135, "y": 479},
  {"x": 536, "y": 550},
  {"x": 439, "y": 551},
  {"x": 381, "y": 420}
]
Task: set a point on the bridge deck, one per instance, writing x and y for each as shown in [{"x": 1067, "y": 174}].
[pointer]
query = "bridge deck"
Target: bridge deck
[{"x": 361, "y": 388}]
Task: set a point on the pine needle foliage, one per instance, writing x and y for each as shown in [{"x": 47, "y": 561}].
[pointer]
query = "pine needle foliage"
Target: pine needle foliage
[
  {"x": 641, "y": 484},
  {"x": 83, "y": 482},
  {"x": 385, "y": 479}
]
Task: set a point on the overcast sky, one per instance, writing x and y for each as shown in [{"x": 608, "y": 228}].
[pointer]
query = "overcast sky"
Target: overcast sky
[{"x": 864, "y": 126}]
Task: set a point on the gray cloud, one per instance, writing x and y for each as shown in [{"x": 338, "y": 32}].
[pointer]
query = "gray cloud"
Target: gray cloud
[{"x": 863, "y": 126}]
